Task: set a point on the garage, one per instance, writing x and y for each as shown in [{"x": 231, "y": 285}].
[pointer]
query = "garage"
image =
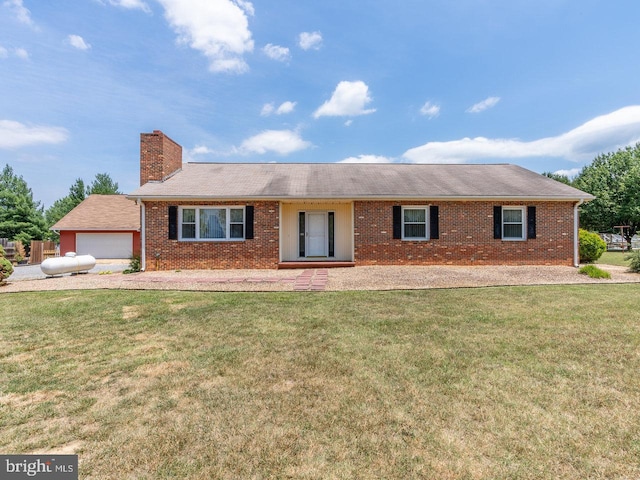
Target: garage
[{"x": 105, "y": 245}]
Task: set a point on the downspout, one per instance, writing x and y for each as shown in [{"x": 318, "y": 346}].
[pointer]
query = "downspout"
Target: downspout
[
  {"x": 576, "y": 238},
  {"x": 143, "y": 242}
]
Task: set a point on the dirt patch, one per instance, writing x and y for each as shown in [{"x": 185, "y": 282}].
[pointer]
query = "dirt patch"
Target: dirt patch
[
  {"x": 164, "y": 368},
  {"x": 24, "y": 400},
  {"x": 130, "y": 312},
  {"x": 66, "y": 449}
]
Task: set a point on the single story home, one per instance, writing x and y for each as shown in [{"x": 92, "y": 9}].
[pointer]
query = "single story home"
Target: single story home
[
  {"x": 105, "y": 226},
  {"x": 279, "y": 215}
]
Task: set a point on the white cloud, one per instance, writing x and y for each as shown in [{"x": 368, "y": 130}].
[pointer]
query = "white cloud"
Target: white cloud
[
  {"x": 348, "y": 99},
  {"x": 267, "y": 109},
  {"x": 276, "y": 52},
  {"x": 76, "y": 41},
  {"x": 246, "y": 6},
  {"x": 430, "y": 110},
  {"x": 21, "y": 13},
  {"x": 282, "y": 142},
  {"x": 569, "y": 173},
  {"x": 201, "y": 150},
  {"x": 483, "y": 105},
  {"x": 217, "y": 28},
  {"x": 15, "y": 134},
  {"x": 18, "y": 52},
  {"x": 605, "y": 133},
  {"x": 367, "y": 159},
  {"x": 283, "y": 109},
  {"x": 21, "y": 53},
  {"x": 348, "y": 123},
  {"x": 286, "y": 107},
  {"x": 310, "y": 40},
  {"x": 131, "y": 4}
]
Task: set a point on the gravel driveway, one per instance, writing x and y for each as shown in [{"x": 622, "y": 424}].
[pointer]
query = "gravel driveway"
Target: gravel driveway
[{"x": 335, "y": 279}]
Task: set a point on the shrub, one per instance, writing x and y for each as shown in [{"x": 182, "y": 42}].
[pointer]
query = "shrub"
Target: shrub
[
  {"x": 634, "y": 261},
  {"x": 594, "y": 272},
  {"x": 591, "y": 246},
  {"x": 134, "y": 265},
  {"x": 6, "y": 269}
]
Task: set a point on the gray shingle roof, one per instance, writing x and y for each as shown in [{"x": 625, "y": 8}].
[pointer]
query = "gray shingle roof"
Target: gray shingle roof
[{"x": 356, "y": 181}]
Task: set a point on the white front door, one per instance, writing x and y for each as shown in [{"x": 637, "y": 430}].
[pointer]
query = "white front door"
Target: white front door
[{"x": 316, "y": 234}]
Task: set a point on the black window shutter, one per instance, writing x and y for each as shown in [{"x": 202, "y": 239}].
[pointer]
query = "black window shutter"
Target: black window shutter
[
  {"x": 173, "y": 223},
  {"x": 248, "y": 220},
  {"x": 497, "y": 222},
  {"x": 434, "y": 226},
  {"x": 397, "y": 221},
  {"x": 531, "y": 222}
]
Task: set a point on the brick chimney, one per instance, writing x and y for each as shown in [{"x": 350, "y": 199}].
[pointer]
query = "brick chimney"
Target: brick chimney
[{"x": 160, "y": 157}]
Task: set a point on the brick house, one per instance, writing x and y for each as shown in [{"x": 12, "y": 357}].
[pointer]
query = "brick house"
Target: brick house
[{"x": 279, "y": 215}]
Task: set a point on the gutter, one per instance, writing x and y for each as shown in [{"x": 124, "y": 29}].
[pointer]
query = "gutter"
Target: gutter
[
  {"x": 350, "y": 198},
  {"x": 576, "y": 239},
  {"x": 143, "y": 243}
]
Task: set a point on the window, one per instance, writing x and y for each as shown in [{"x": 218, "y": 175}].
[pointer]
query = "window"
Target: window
[
  {"x": 212, "y": 223},
  {"x": 513, "y": 221},
  {"x": 414, "y": 223}
]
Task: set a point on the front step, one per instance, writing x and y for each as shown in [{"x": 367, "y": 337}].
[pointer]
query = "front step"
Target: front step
[{"x": 292, "y": 265}]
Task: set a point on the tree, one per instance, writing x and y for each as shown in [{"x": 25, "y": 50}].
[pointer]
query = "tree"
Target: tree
[
  {"x": 21, "y": 218},
  {"x": 103, "y": 185},
  {"x": 63, "y": 206},
  {"x": 614, "y": 179},
  {"x": 558, "y": 177}
]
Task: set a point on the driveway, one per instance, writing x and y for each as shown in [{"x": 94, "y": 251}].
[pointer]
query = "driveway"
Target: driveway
[{"x": 33, "y": 272}]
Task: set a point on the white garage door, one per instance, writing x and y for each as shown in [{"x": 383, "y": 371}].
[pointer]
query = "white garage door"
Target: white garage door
[{"x": 105, "y": 245}]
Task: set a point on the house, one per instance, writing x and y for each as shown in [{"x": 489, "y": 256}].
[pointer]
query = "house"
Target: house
[
  {"x": 278, "y": 215},
  {"x": 105, "y": 226}
]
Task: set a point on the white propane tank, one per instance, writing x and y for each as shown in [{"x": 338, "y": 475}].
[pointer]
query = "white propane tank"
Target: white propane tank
[{"x": 70, "y": 263}]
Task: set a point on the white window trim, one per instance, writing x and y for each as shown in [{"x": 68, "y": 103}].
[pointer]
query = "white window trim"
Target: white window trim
[
  {"x": 524, "y": 223},
  {"x": 426, "y": 221},
  {"x": 227, "y": 226}
]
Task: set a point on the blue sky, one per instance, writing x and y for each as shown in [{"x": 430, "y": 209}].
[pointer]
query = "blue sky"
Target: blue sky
[{"x": 546, "y": 84}]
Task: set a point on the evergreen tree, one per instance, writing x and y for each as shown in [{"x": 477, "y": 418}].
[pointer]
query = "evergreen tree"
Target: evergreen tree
[
  {"x": 103, "y": 185},
  {"x": 63, "y": 206},
  {"x": 21, "y": 218}
]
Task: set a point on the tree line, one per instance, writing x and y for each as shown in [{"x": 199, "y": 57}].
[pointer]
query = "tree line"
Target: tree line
[
  {"x": 24, "y": 219},
  {"x": 614, "y": 179}
]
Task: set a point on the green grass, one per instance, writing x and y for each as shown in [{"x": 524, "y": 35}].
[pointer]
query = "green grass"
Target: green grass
[
  {"x": 500, "y": 383},
  {"x": 594, "y": 272},
  {"x": 613, "y": 258}
]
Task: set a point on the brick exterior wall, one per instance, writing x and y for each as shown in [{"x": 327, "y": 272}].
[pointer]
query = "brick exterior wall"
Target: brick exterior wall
[
  {"x": 260, "y": 252},
  {"x": 466, "y": 236},
  {"x": 159, "y": 157}
]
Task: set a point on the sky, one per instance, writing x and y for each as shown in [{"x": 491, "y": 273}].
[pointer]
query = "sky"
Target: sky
[{"x": 545, "y": 84}]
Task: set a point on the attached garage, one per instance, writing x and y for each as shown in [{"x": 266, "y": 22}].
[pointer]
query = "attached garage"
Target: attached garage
[
  {"x": 105, "y": 245},
  {"x": 104, "y": 226}
]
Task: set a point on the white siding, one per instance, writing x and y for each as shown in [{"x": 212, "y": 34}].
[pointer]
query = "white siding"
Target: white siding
[{"x": 343, "y": 228}]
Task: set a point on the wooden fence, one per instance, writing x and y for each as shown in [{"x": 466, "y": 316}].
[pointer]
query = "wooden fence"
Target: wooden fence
[
  {"x": 9, "y": 248},
  {"x": 41, "y": 251}
]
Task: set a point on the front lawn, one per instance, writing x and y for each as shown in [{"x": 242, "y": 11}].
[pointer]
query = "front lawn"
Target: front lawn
[
  {"x": 517, "y": 383},
  {"x": 614, "y": 258}
]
